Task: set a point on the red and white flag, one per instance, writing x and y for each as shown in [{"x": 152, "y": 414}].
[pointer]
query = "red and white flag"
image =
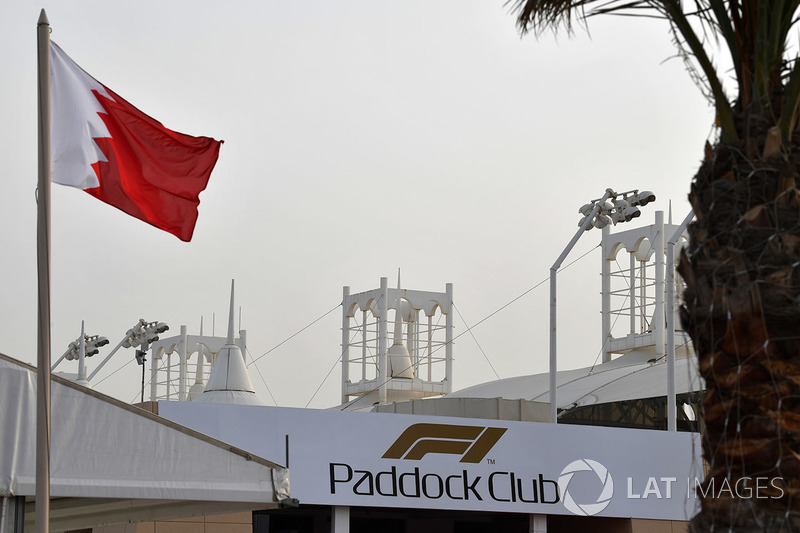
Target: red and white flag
[{"x": 102, "y": 144}]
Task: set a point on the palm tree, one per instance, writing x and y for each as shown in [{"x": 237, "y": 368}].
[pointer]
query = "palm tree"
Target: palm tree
[{"x": 742, "y": 303}]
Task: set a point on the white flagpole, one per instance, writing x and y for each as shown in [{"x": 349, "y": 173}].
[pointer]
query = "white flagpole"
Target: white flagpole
[{"x": 42, "y": 517}]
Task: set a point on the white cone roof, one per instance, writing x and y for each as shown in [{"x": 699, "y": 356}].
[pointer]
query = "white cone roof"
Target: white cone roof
[{"x": 229, "y": 381}]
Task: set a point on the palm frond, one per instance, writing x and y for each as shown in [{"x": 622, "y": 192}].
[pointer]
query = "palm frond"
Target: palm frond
[
  {"x": 754, "y": 32},
  {"x": 541, "y": 15}
]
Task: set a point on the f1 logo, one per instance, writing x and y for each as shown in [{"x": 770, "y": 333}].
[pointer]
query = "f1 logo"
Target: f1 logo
[{"x": 471, "y": 442}]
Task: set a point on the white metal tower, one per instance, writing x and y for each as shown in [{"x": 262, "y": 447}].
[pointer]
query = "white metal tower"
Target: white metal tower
[
  {"x": 415, "y": 364},
  {"x": 634, "y": 289}
]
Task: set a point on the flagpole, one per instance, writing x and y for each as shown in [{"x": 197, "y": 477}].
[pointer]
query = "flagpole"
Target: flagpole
[{"x": 42, "y": 517}]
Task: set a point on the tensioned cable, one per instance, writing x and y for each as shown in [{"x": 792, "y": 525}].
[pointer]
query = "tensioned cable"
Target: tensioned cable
[
  {"x": 476, "y": 341},
  {"x": 341, "y": 356},
  {"x": 264, "y": 381},
  {"x": 487, "y": 317},
  {"x": 126, "y": 364},
  {"x": 147, "y": 383},
  {"x": 614, "y": 380},
  {"x": 627, "y": 296},
  {"x": 290, "y": 337},
  {"x": 115, "y": 371},
  {"x": 490, "y": 315}
]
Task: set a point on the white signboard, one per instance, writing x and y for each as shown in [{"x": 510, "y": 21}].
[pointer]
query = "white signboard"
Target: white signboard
[{"x": 393, "y": 460}]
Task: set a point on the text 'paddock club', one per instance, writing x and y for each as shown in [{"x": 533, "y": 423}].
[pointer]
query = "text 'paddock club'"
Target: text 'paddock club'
[{"x": 498, "y": 486}]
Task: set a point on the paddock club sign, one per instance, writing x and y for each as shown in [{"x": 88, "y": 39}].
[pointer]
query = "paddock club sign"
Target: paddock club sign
[
  {"x": 518, "y": 467},
  {"x": 468, "y": 464},
  {"x": 470, "y": 443}
]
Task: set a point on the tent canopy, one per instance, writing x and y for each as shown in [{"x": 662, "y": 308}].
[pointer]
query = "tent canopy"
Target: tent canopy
[
  {"x": 632, "y": 376},
  {"x": 139, "y": 464}
]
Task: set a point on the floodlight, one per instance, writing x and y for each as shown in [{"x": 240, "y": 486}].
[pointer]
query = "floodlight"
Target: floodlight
[
  {"x": 631, "y": 213},
  {"x": 586, "y": 209},
  {"x": 621, "y": 203},
  {"x": 601, "y": 221},
  {"x": 99, "y": 341},
  {"x": 72, "y": 351},
  {"x": 625, "y": 215},
  {"x": 643, "y": 198},
  {"x": 591, "y": 223}
]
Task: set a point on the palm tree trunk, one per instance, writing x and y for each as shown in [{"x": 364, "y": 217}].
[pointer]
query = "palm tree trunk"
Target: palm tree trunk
[{"x": 742, "y": 310}]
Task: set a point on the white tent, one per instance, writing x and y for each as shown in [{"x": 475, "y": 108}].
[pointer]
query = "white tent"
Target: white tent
[
  {"x": 112, "y": 462},
  {"x": 634, "y": 375}
]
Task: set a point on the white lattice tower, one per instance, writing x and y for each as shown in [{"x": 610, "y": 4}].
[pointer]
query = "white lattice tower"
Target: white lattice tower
[
  {"x": 425, "y": 322},
  {"x": 634, "y": 289}
]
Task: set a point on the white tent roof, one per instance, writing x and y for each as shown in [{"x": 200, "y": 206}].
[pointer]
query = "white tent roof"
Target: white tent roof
[
  {"x": 103, "y": 448},
  {"x": 631, "y": 376}
]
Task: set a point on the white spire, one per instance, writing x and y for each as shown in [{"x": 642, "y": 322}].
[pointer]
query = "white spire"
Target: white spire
[
  {"x": 229, "y": 381},
  {"x": 400, "y": 365},
  {"x": 82, "y": 358},
  {"x": 230, "y": 317}
]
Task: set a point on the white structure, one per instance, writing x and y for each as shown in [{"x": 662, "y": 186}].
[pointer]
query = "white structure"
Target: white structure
[
  {"x": 225, "y": 378},
  {"x": 644, "y": 359},
  {"x": 114, "y": 463},
  {"x": 418, "y": 364},
  {"x": 229, "y": 381},
  {"x": 181, "y": 365},
  {"x": 634, "y": 289}
]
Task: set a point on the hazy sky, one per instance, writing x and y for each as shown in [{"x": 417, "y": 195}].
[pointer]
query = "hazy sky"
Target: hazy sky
[{"x": 360, "y": 137}]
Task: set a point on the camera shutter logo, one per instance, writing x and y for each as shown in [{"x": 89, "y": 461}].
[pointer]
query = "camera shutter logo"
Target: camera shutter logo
[{"x": 586, "y": 465}]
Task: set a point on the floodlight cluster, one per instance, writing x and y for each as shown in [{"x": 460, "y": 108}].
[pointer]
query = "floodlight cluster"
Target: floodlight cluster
[
  {"x": 143, "y": 332},
  {"x": 91, "y": 343},
  {"x": 614, "y": 208}
]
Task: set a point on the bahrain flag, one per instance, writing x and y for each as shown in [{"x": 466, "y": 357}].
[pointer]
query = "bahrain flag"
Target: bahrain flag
[{"x": 102, "y": 144}]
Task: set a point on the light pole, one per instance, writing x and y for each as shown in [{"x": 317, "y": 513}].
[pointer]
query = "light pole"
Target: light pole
[
  {"x": 612, "y": 208},
  {"x": 141, "y": 359},
  {"x": 139, "y": 333},
  {"x": 92, "y": 343}
]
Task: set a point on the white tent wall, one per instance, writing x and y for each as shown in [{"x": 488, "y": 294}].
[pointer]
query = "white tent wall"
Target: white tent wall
[{"x": 141, "y": 465}]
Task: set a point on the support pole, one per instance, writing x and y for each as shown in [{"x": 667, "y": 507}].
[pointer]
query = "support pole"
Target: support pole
[
  {"x": 448, "y": 349},
  {"x": 383, "y": 331},
  {"x": 345, "y": 343},
  {"x": 107, "y": 359},
  {"x": 605, "y": 277},
  {"x": 183, "y": 353},
  {"x": 672, "y": 400},
  {"x": 340, "y": 521},
  {"x": 553, "y": 314},
  {"x": 659, "y": 327},
  {"x": 63, "y": 356},
  {"x": 633, "y": 283},
  {"x": 364, "y": 334},
  {"x": 154, "y": 375},
  {"x": 82, "y": 355},
  {"x": 537, "y": 523},
  {"x": 42, "y": 515}
]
